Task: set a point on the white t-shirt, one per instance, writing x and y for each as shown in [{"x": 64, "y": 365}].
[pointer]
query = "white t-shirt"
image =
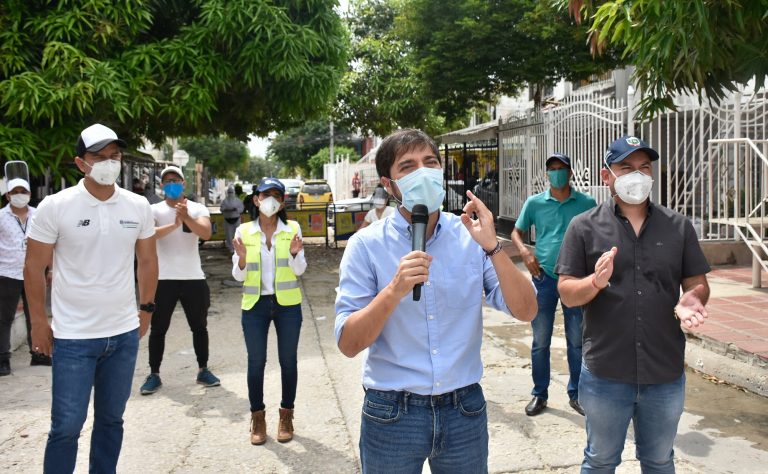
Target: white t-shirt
[
  {"x": 93, "y": 292},
  {"x": 13, "y": 242},
  {"x": 178, "y": 256},
  {"x": 371, "y": 217}
]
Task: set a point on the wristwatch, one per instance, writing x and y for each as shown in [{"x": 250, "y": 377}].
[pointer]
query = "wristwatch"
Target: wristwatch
[{"x": 147, "y": 307}]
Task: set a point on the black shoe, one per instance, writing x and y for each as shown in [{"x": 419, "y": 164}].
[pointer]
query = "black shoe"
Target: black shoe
[
  {"x": 5, "y": 367},
  {"x": 536, "y": 406},
  {"x": 576, "y": 407},
  {"x": 40, "y": 359}
]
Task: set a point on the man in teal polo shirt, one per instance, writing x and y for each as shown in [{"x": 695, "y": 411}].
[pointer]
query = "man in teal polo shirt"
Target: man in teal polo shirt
[{"x": 550, "y": 213}]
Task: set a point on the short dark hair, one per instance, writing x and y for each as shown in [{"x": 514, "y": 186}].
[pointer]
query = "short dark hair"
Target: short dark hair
[{"x": 399, "y": 143}]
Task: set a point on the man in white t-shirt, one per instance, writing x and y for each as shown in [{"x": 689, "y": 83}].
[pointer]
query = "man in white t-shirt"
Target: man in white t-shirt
[
  {"x": 92, "y": 231},
  {"x": 179, "y": 224}
]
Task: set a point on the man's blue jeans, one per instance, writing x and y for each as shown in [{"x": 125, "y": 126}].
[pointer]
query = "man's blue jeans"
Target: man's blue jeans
[
  {"x": 400, "y": 430},
  {"x": 106, "y": 365},
  {"x": 654, "y": 409},
  {"x": 547, "y": 298},
  {"x": 256, "y": 323}
]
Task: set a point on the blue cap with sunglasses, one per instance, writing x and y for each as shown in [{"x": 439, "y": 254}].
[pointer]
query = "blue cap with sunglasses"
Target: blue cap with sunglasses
[
  {"x": 625, "y": 146},
  {"x": 270, "y": 183}
]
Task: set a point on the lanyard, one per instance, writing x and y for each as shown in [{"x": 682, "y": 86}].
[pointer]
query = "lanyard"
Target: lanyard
[{"x": 22, "y": 227}]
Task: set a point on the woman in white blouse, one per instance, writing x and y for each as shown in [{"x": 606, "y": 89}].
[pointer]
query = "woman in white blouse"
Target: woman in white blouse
[{"x": 268, "y": 258}]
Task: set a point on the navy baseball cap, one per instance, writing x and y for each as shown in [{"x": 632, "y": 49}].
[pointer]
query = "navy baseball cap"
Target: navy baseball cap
[
  {"x": 270, "y": 183},
  {"x": 625, "y": 146},
  {"x": 559, "y": 156}
]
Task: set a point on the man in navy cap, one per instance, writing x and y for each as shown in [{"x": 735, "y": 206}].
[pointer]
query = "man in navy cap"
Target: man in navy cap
[
  {"x": 550, "y": 213},
  {"x": 626, "y": 262}
]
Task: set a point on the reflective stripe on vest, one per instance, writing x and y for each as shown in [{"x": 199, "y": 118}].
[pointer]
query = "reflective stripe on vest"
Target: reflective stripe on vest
[{"x": 287, "y": 288}]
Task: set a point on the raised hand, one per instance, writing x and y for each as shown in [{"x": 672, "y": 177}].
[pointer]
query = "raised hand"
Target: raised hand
[
  {"x": 296, "y": 245},
  {"x": 604, "y": 268},
  {"x": 482, "y": 229},
  {"x": 240, "y": 248}
]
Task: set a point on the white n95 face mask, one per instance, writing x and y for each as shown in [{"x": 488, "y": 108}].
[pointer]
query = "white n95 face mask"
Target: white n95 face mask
[
  {"x": 105, "y": 172},
  {"x": 19, "y": 200},
  {"x": 634, "y": 187},
  {"x": 269, "y": 206}
]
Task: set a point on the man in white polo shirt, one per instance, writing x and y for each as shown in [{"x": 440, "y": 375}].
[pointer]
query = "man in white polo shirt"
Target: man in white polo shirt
[
  {"x": 179, "y": 224},
  {"x": 93, "y": 231}
]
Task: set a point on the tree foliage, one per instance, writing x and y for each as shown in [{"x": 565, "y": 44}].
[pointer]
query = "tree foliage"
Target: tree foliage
[
  {"x": 296, "y": 146},
  {"x": 256, "y": 168},
  {"x": 157, "y": 68},
  {"x": 381, "y": 91},
  {"x": 700, "y": 46},
  {"x": 221, "y": 156},
  {"x": 470, "y": 51},
  {"x": 324, "y": 156}
]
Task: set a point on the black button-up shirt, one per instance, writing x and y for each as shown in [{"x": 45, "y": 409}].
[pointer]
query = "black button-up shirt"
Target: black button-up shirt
[{"x": 630, "y": 332}]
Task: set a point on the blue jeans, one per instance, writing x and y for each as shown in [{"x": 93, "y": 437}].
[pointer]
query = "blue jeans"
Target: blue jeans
[
  {"x": 400, "y": 430},
  {"x": 654, "y": 409},
  {"x": 106, "y": 365},
  {"x": 547, "y": 298},
  {"x": 256, "y": 322}
]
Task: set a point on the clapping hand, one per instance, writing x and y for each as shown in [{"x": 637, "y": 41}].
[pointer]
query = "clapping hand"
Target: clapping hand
[{"x": 296, "y": 245}]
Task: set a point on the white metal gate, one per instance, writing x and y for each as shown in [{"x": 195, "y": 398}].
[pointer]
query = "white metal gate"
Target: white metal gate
[{"x": 582, "y": 128}]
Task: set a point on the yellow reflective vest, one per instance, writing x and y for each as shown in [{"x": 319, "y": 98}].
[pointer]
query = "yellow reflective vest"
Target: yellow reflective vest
[{"x": 287, "y": 288}]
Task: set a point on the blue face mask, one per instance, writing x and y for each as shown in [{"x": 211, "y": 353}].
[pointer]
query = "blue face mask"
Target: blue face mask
[
  {"x": 173, "y": 190},
  {"x": 423, "y": 186},
  {"x": 558, "y": 178}
]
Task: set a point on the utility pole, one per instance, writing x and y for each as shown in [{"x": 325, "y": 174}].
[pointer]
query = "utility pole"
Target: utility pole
[{"x": 330, "y": 148}]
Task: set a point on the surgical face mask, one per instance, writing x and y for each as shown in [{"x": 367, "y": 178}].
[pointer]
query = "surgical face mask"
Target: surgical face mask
[
  {"x": 269, "y": 206},
  {"x": 634, "y": 187},
  {"x": 173, "y": 190},
  {"x": 558, "y": 178},
  {"x": 423, "y": 186},
  {"x": 19, "y": 200},
  {"x": 379, "y": 203},
  {"x": 105, "y": 172}
]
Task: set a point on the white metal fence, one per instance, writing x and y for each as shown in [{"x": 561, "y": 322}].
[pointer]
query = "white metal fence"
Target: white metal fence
[{"x": 582, "y": 128}]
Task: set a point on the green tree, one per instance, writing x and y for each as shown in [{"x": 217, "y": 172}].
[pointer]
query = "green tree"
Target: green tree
[
  {"x": 296, "y": 146},
  {"x": 701, "y": 46},
  {"x": 221, "y": 156},
  {"x": 324, "y": 156},
  {"x": 256, "y": 168},
  {"x": 157, "y": 68},
  {"x": 470, "y": 51},
  {"x": 382, "y": 90}
]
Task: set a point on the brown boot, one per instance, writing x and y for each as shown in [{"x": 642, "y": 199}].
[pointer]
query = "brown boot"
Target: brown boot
[
  {"x": 285, "y": 428},
  {"x": 258, "y": 428}
]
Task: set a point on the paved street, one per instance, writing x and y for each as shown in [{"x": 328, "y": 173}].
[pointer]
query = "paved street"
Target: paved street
[{"x": 185, "y": 428}]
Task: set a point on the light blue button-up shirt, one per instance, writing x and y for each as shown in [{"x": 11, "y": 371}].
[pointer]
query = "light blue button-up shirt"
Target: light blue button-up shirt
[{"x": 431, "y": 346}]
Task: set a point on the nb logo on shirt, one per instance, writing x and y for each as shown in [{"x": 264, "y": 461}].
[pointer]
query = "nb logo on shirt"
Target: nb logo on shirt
[{"x": 83, "y": 222}]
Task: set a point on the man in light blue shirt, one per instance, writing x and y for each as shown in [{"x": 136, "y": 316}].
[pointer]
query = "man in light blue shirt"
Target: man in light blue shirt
[
  {"x": 550, "y": 213},
  {"x": 421, "y": 372}
]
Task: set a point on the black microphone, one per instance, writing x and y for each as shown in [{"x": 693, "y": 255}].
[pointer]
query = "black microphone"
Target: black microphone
[{"x": 419, "y": 217}]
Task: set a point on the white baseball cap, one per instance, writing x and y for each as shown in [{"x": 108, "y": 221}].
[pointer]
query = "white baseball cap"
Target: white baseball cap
[
  {"x": 95, "y": 138},
  {"x": 16, "y": 182}
]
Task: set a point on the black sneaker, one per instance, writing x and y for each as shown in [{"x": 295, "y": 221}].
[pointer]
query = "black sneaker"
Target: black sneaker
[
  {"x": 5, "y": 367},
  {"x": 40, "y": 359}
]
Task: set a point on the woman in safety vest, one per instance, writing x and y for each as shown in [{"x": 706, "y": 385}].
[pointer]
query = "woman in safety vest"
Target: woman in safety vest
[{"x": 268, "y": 259}]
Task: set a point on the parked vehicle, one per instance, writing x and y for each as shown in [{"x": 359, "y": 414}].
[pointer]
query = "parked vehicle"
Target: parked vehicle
[
  {"x": 315, "y": 194},
  {"x": 349, "y": 205},
  {"x": 292, "y": 189}
]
